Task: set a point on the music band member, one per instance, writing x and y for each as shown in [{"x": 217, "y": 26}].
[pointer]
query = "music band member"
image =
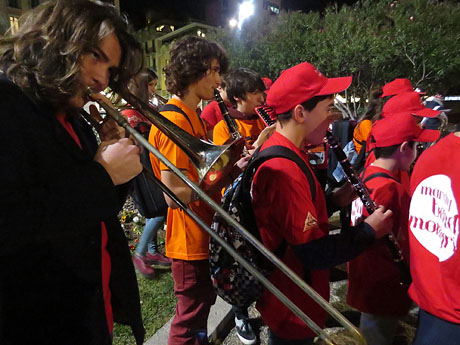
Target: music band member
[
  {"x": 302, "y": 99},
  {"x": 212, "y": 113},
  {"x": 433, "y": 240},
  {"x": 66, "y": 270},
  {"x": 374, "y": 284},
  {"x": 246, "y": 91},
  {"x": 192, "y": 75}
]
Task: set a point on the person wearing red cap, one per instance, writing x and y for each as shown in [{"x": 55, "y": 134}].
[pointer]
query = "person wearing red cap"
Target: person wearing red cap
[
  {"x": 398, "y": 86},
  {"x": 245, "y": 90},
  {"x": 403, "y": 102},
  {"x": 301, "y": 100},
  {"x": 374, "y": 286},
  {"x": 433, "y": 240}
]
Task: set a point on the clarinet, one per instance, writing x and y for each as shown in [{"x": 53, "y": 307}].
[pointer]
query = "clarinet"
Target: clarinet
[
  {"x": 229, "y": 121},
  {"x": 363, "y": 193}
]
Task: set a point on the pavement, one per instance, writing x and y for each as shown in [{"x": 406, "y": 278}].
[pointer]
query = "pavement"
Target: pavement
[{"x": 220, "y": 322}]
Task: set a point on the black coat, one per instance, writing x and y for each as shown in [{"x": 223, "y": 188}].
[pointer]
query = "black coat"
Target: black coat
[{"x": 53, "y": 198}]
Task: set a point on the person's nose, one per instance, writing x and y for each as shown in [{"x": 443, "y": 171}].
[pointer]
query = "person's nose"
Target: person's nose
[
  {"x": 101, "y": 79},
  {"x": 218, "y": 79}
]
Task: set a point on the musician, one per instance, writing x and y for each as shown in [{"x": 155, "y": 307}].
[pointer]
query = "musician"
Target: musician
[
  {"x": 245, "y": 90},
  {"x": 302, "y": 99},
  {"x": 212, "y": 114},
  {"x": 393, "y": 88},
  {"x": 152, "y": 80},
  {"x": 146, "y": 194},
  {"x": 66, "y": 271},
  {"x": 192, "y": 75},
  {"x": 374, "y": 282},
  {"x": 405, "y": 101},
  {"x": 433, "y": 239}
]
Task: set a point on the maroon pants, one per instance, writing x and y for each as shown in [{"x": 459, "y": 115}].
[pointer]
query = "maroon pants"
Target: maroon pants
[{"x": 195, "y": 296}]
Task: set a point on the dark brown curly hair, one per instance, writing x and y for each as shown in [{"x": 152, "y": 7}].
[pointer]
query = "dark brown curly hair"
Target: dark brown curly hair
[
  {"x": 190, "y": 59},
  {"x": 43, "y": 57}
]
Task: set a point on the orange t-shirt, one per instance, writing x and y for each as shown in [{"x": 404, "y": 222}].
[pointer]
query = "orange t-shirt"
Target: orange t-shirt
[
  {"x": 249, "y": 129},
  {"x": 361, "y": 133},
  {"x": 185, "y": 240}
]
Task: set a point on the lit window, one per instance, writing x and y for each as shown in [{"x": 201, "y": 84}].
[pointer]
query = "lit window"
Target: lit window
[
  {"x": 171, "y": 27},
  {"x": 14, "y": 24},
  {"x": 274, "y": 9}
]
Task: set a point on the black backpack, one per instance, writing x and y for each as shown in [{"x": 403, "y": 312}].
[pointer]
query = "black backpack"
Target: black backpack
[
  {"x": 231, "y": 280},
  {"x": 147, "y": 196}
]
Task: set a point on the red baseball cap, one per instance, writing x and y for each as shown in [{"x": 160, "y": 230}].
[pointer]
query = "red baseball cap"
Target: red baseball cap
[
  {"x": 397, "y": 129},
  {"x": 407, "y": 102},
  {"x": 398, "y": 86},
  {"x": 300, "y": 83},
  {"x": 267, "y": 82}
]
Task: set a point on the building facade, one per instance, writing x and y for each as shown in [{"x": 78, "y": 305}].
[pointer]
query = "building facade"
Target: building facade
[{"x": 11, "y": 10}]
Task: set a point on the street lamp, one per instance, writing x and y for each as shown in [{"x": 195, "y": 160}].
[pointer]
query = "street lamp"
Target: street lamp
[{"x": 245, "y": 11}]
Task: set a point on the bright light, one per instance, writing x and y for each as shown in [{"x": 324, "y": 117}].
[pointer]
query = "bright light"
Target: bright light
[
  {"x": 233, "y": 22},
  {"x": 199, "y": 32},
  {"x": 246, "y": 10}
]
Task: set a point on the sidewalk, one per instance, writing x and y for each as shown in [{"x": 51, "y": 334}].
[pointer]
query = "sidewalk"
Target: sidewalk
[{"x": 220, "y": 322}]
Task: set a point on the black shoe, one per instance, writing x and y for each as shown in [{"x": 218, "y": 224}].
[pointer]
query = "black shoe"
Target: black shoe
[{"x": 244, "y": 331}]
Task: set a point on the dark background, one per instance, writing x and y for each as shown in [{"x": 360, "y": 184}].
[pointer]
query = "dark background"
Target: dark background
[{"x": 184, "y": 10}]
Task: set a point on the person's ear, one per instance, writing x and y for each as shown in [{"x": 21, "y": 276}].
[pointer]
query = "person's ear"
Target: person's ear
[
  {"x": 404, "y": 146},
  {"x": 299, "y": 114}
]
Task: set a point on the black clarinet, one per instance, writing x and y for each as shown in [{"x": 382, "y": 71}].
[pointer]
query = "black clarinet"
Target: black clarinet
[
  {"x": 363, "y": 194},
  {"x": 229, "y": 121}
]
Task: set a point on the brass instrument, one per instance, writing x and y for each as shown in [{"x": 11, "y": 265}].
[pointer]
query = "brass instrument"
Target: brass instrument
[
  {"x": 161, "y": 99},
  {"x": 201, "y": 160}
]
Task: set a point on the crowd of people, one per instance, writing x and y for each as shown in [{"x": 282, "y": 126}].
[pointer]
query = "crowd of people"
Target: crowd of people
[{"x": 66, "y": 271}]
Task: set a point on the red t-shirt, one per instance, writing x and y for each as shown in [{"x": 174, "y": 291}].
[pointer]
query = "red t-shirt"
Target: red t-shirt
[
  {"x": 373, "y": 278},
  {"x": 134, "y": 117},
  {"x": 285, "y": 212},
  {"x": 434, "y": 230},
  {"x": 211, "y": 114}
]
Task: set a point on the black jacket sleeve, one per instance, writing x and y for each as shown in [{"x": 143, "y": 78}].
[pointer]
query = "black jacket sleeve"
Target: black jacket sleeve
[{"x": 332, "y": 250}]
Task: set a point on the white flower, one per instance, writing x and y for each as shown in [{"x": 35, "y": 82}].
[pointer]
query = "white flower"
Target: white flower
[{"x": 136, "y": 219}]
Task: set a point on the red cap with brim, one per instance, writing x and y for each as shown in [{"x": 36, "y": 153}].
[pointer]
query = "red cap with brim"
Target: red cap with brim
[
  {"x": 301, "y": 83},
  {"x": 398, "y": 86},
  {"x": 407, "y": 102},
  {"x": 396, "y": 130}
]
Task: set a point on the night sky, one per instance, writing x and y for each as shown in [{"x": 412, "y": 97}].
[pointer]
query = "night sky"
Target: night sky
[{"x": 194, "y": 9}]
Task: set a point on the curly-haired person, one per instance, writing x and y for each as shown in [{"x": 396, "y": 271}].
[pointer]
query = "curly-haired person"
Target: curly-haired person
[
  {"x": 191, "y": 76},
  {"x": 65, "y": 264}
]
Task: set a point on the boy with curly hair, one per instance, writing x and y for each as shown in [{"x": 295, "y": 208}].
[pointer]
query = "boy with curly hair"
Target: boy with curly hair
[{"x": 191, "y": 76}]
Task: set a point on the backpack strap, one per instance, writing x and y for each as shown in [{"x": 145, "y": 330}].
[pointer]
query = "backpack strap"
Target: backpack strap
[
  {"x": 277, "y": 151},
  {"x": 176, "y": 109},
  {"x": 379, "y": 174}
]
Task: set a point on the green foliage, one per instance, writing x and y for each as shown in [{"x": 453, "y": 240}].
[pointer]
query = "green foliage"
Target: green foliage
[
  {"x": 157, "y": 304},
  {"x": 374, "y": 41}
]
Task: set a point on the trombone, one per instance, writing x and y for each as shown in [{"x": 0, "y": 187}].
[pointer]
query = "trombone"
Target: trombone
[{"x": 207, "y": 172}]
